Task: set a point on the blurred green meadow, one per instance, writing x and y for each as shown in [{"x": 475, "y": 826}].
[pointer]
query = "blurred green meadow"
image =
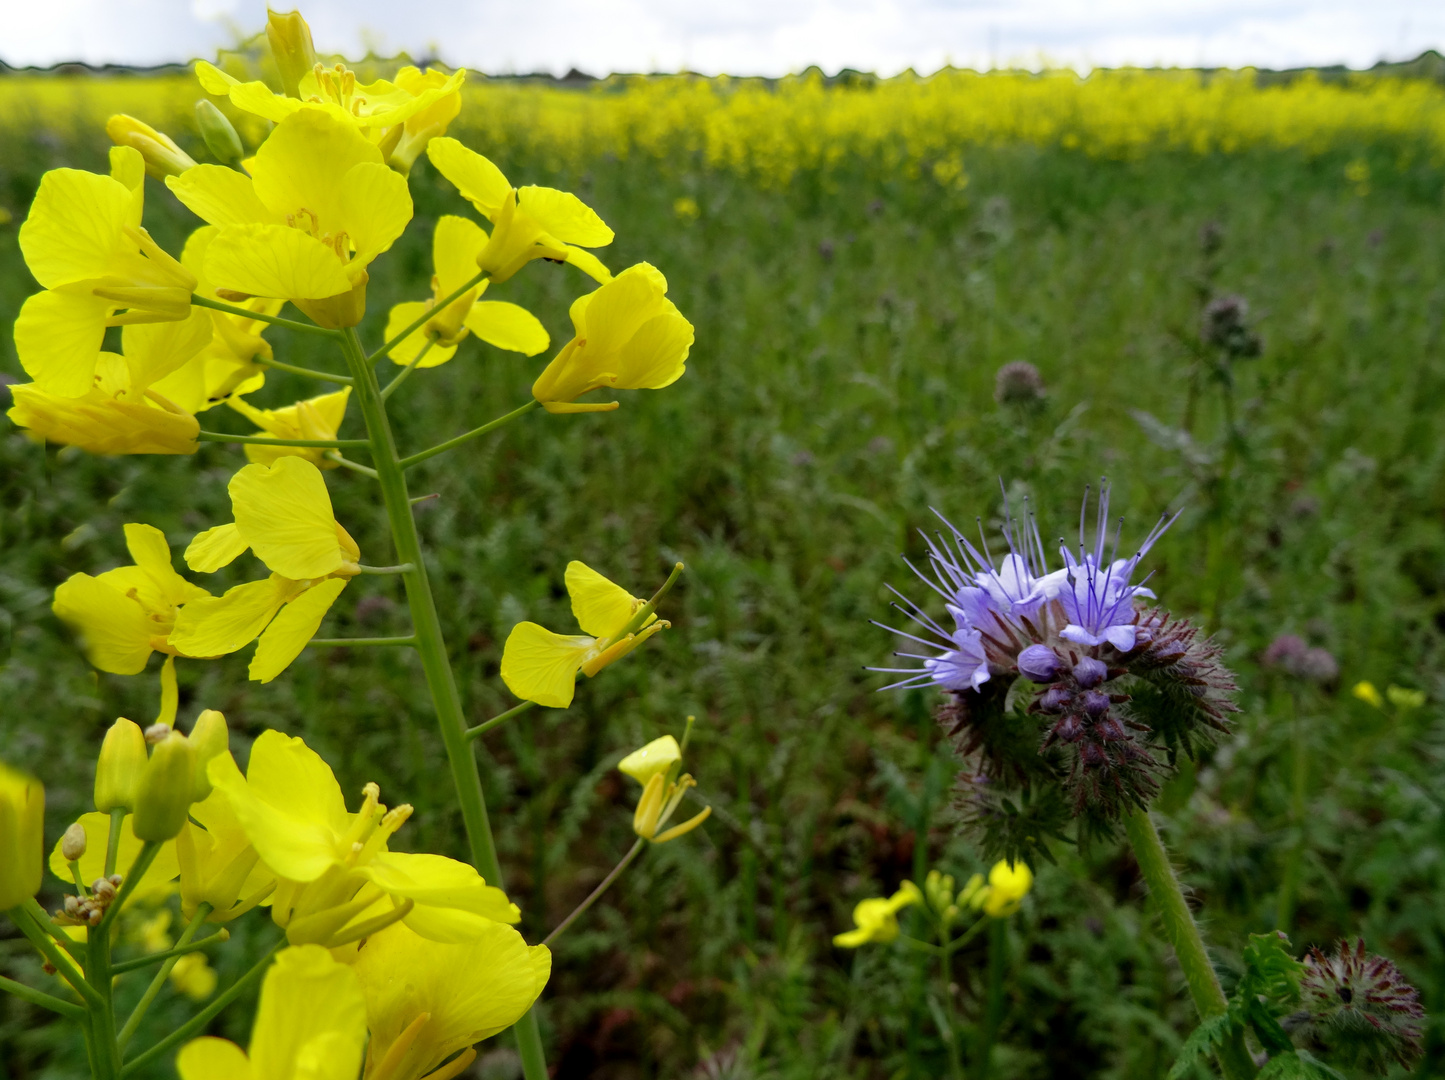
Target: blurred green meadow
[{"x": 850, "y": 325}]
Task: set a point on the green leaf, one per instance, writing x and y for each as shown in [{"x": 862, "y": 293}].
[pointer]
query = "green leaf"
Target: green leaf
[
  {"x": 1297, "y": 1065},
  {"x": 1202, "y": 1040}
]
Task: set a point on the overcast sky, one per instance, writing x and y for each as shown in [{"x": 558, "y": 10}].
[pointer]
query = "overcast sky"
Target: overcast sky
[{"x": 747, "y": 37}]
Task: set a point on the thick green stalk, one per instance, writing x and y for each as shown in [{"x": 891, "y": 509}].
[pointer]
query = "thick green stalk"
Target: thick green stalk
[
  {"x": 1183, "y": 934},
  {"x": 102, "y": 1016},
  {"x": 431, "y": 647}
]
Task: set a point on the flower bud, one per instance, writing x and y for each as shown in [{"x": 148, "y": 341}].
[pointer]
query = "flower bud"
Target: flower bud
[
  {"x": 22, "y": 837},
  {"x": 1094, "y": 702},
  {"x": 291, "y": 45},
  {"x": 120, "y": 767},
  {"x": 166, "y": 790},
  {"x": 72, "y": 844},
  {"x": 1040, "y": 664},
  {"x": 210, "y": 738},
  {"x": 162, "y": 156},
  {"x": 221, "y": 138},
  {"x": 1090, "y": 672}
]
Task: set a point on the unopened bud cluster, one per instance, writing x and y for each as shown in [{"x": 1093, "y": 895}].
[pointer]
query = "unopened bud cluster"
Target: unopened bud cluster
[{"x": 90, "y": 910}]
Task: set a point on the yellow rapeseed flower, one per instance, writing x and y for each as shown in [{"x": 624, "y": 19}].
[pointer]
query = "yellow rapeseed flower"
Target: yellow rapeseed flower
[
  {"x": 162, "y": 156},
  {"x": 84, "y": 243},
  {"x": 629, "y": 336},
  {"x": 218, "y": 864},
  {"x": 124, "y": 412},
  {"x": 1008, "y": 884},
  {"x": 283, "y": 515},
  {"x": 527, "y": 223},
  {"x": 1366, "y": 692},
  {"x": 125, "y": 614},
  {"x": 540, "y": 666},
  {"x": 455, "y": 246},
  {"x": 315, "y": 418},
  {"x": 22, "y": 836},
  {"x": 319, "y": 205},
  {"x": 338, "y": 883},
  {"x": 193, "y": 976},
  {"x": 426, "y": 1000},
  {"x": 310, "y": 1025},
  {"x": 876, "y": 919}
]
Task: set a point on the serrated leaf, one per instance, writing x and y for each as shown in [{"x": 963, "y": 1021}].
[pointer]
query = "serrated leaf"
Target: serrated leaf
[
  {"x": 1202, "y": 1040},
  {"x": 1297, "y": 1065}
]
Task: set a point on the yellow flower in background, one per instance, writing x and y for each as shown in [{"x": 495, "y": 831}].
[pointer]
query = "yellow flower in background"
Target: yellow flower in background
[
  {"x": 315, "y": 418},
  {"x": 1404, "y": 699},
  {"x": 193, "y": 976},
  {"x": 455, "y": 245},
  {"x": 425, "y": 1000},
  {"x": 319, "y": 205},
  {"x": 122, "y": 412},
  {"x": 527, "y": 223},
  {"x": 629, "y": 336},
  {"x": 338, "y": 882},
  {"x": 22, "y": 836},
  {"x": 155, "y": 885},
  {"x": 876, "y": 919},
  {"x": 228, "y": 363},
  {"x": 1008, "y": 884},
  {"x": 218, "y": 864},
  {"x": 283, "y": 515},
  {"x": 125, "y": 614},
  {"x": 162, "y": 156},
  {"x": 310, "y": 1025},
  {"x": 540, "y": 666},
  {"x": 1366, "y": 692},
  {"x": 84, "y": 243}
]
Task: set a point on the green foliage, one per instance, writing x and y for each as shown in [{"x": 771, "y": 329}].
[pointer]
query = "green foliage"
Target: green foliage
[{"x": 848, "y": 336}]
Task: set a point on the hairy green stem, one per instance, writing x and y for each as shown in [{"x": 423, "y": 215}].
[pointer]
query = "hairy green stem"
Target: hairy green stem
[
  {"x": 596, "y": 893},
  {"x": 431, "y": 647},
  {"x": 1183, "y": 935},
  {"x": 492, "y": 425}
]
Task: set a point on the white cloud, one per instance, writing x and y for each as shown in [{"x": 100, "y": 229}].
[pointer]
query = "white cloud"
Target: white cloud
[{"x": 749, "y": 36}]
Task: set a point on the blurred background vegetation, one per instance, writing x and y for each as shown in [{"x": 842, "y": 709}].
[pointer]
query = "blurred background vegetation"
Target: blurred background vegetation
[{"x": 855, "y": 286}]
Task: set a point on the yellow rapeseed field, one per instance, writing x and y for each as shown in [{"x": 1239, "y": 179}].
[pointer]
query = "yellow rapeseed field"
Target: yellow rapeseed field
[{"x": 770, "y": 130}]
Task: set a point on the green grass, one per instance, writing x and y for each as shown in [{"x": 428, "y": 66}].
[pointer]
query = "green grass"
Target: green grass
[{"x": 848, "y": 332}]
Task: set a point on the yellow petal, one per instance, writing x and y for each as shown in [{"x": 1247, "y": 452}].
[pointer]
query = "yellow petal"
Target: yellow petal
[
  {"x": 210, "y": 1058},
  {"x": 645, "y": 763},
  {"x": 221, "y": 196},
  {"x": 153, "y": 886},
  {"x": 470, "y": 992},
  {"x": 154, "y": 350},
  {"x": 213, "y": 80},
  {"x": 656, "y": 355},
  {"x": 375, "y": 207},
  {"x": 540, "y": 666},
  {"x": 272, "y": 260},
  {"x": 73, "y": 231},
  {"x": 602, "y": 607},
  {"x": 217, "y": 625},
  {"x": 618, "y": 309},
  {"x": 436, "y": 883},
  {"x": 114, "y": 629},
  {"x": 148, "y": 547},
  {"x": 480, "y": 182},
  {"x": 589, "y": 264},
  {"x": 455, "y": 245},
  {"x": 284, "y": 512},
  {"x": 288, "y": 804},
  {"x": 58, "y": 338},
  {"x": 564, "y": 216},
  {"x": 405, "y": 350},
  {"x": 102, "y": 424},
  {"x": 289, "y": 632},
  {"x": 218, "y": 546},
  {"x": 311, "y": 1019},
  {"x": 301, "y": 164},
  {"x": 507, "y": 326}
]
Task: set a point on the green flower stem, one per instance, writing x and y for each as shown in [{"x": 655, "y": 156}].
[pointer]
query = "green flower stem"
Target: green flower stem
[
  {"x": 945, "y": 975},
  {"x": 347, "y": 463},
  {"x": 515, "y": 710},
  {"x": 441, "y": 448},
  {"x": 266, "y": 440},
  {"x": 596, "y": 893},
  {"x": 1183, "y": 935},
  {"x": 43, "y": 920},
  {"x": 405, "y": 373},
  {"x": 196, "y": 1024},
  {"x": 59, "y": 960},
  {"x": 44, "y": 1000},
  {"x": 993, "y": 1001},
  {"x": 167, "y": 960},
  {"x": 418, "y": 323},
  {"x": 310, "y": 373},
  {"x": 380, "y": 570},
  {"x": 148, "y": 852},
  {"x": 112, "y": 846},
  {"x": 290, "y": 324},
  {"x": 641, "y": 615},
  {"x": 347, "y": 642},
  {"x": 431, "y": 647},
  {"x": 106, "y": 1061}
]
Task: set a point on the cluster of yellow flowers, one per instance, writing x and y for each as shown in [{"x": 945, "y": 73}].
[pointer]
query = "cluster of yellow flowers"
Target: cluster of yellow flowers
[
  {"x": 401, "y": 960},
  {"x": 771, "y": 130}
]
